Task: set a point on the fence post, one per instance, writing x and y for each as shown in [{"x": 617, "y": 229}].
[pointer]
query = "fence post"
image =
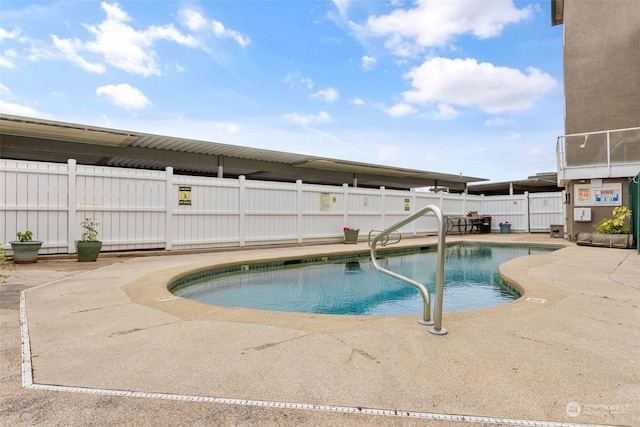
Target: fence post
[
  {"x": 168, "y": 209},
  {"x": 299, "y": 209},
  {"x": 528, "y": 212},
  {"x": 464, "y": 204},
  {"x": 382, "y": 208},
  {"x": 345, "y": 208},
  {"x": 241, "y": 209},
  {"x": 414, "y": 207},
  {"x": 72, "y": 203}
]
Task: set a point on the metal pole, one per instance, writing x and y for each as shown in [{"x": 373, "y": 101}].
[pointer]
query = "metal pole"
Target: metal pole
[{"x": 437, "y": 326}]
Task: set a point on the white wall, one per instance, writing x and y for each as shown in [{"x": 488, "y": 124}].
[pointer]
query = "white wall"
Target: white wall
[{"x": 139, "y": 209}]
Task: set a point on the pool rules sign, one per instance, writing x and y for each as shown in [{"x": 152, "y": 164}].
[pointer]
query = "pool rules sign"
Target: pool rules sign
[{"x": 184, "y": 196}]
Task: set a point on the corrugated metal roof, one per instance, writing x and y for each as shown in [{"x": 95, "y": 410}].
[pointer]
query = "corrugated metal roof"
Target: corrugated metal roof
[
  {"x": 214, "y": 148},
  {"x": 43, "y": 140}
]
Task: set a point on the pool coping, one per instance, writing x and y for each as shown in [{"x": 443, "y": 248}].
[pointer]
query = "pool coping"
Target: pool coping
[
  {"x": 313, "y": 260},
  {"x": 147, "y": 292}
]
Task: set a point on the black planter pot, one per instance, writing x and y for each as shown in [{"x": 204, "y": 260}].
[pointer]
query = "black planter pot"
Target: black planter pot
[{"x": 88, "y": 251}]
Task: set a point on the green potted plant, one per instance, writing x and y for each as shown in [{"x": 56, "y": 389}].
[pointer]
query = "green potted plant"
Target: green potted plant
[
  {"x": 351, "y": 235},
  {"x": 89, "y": 246},
  {"x": 25, "y": 249},
  {"x": 614, "y": 232}
]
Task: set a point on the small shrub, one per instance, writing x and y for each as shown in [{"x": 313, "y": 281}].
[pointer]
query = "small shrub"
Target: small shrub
[
  {"x": 4, "y": 266},
  {"x": 27, "y": 236},
  {"x": 615, "y": 225},
  {"x": 89, "y": 230}
]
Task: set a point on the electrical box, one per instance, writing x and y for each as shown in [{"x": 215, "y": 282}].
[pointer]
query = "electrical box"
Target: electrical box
[
  {"x": 582, "y": 214},
  {"x": 556, "y": 231}
]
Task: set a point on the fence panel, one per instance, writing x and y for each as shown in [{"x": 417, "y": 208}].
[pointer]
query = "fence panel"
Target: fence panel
[
  {"x": 270, "y": 209},
  {"x": 397, "y": 206},
  {"x": 363, "y": 209},
  {"x": 128, "y": 204},
  {"x": 212, "y": 219},
  {"x": 321, "y": 209},
  {"x": 546, "y": 209},
  {"x": 34, "y": 197},
  {"x": 512, "y": 209}
]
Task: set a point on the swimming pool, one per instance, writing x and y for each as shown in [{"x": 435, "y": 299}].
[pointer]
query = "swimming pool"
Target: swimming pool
[{"x": 350, "y": 285}]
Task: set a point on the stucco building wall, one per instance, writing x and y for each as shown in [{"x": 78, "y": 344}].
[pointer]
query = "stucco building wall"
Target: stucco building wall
[{"x": 601, "y": 65}]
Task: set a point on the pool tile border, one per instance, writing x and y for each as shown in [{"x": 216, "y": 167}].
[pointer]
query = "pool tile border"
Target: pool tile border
[{"x": 243, "y": 267}]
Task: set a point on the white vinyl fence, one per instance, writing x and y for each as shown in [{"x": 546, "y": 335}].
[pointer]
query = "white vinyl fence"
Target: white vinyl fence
[
  {"x": 532, "y": 213},
  {"x": 143, "y": 209}
]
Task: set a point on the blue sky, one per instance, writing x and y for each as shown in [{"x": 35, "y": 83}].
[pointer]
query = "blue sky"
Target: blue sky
[{"x": 452, "y": 86}]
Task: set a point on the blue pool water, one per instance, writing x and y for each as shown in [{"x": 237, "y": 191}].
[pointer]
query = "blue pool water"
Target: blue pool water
[{"x": 352, "y": 286}]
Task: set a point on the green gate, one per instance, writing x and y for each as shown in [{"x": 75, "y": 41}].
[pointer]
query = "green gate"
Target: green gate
[{"x": 634, "y": 199}]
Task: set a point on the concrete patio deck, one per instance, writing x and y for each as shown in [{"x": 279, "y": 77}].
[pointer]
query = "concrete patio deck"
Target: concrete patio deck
[{"x": 109, "y": 345}]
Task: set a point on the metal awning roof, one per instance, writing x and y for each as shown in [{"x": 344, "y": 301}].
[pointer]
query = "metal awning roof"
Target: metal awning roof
[
  {"x": 546, "y": 182},
  {"x": 23, "y": 138}
]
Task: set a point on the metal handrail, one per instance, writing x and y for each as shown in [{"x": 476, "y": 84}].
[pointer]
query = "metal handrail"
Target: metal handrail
[
  {"x": 385, "y": 240},
  {"x": 424, "y": 292}
]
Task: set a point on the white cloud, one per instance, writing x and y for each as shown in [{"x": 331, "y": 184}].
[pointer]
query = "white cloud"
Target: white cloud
[
  {"x": 342, "y": 6},
  {"x": 295, "y": 78},
  {"x": 368, "y": 62},
  {"x": 328, "y": 95},
  {"x": 220, "y": 31},
  {"x": 465, "y": 82},
  {"x": 357, "y": 101},
  {"x": 4, "y": 34},
  {"x": 125, "y": 96},
  {"x": 192, "y": 19},
  {"x": 400, "y": 110},
  {"x": 7, "y": 107},
  {"x": 120, "y": 45},
  {"x": 195, "y": 21},
  {"x": 69, "y": 49},
  {"x": 435, "y": 23},
  {"x": 18, "y": 110},
  {"x": 307, "y": 119},
  {"x": 444, "y": 112},
  {"x": 7, "y": 57}
]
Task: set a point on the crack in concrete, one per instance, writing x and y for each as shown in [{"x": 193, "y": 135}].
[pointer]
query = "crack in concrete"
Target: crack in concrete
[{"x": 273, "y": 344}]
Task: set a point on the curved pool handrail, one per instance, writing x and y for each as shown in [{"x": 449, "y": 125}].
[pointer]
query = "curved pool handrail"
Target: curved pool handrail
[
  {"x": 424, "y": 292},
  {"x": 385, "y": 240}
]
